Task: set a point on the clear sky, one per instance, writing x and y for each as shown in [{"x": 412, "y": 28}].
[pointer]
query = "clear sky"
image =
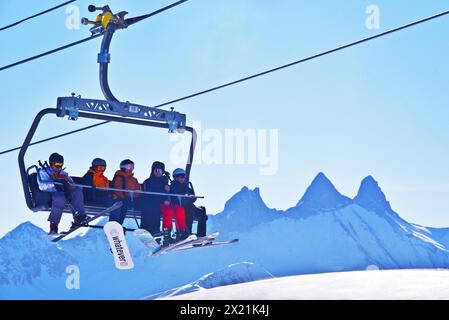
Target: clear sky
[{"x": 378, "y": 109}]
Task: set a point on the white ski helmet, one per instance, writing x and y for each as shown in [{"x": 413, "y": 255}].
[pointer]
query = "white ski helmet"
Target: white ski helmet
[{"x": 178, "y": 172}]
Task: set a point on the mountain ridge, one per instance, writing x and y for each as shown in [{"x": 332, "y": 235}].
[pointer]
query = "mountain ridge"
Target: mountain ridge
[{"x": 331, "y": 233}]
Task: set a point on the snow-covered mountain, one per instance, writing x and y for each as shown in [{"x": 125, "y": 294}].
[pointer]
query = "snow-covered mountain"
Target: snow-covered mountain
[
  {"x": 26, "y": 257},
  {"x": 243, "y": 211},
  {"x": 320, "y": 196},
  {"x": 325, "y": 232}
]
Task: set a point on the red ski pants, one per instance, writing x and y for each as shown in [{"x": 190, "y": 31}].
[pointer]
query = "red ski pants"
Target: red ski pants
[{"x": 167, "y": 213}]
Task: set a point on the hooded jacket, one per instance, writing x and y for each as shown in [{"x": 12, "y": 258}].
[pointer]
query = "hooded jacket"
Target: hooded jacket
[
  {"x": 183, "y": 189},
  {"x": 156, "y": 184},
  {"x": 96, "y": 179},
  {"x": 47, "y": 176},
  {"x": 125, "y": 180}
]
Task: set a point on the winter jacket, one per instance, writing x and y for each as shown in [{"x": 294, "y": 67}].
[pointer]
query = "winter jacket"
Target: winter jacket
[
  {"x": 182, "y": 188},
  {"x": 125, "y": 180},
  {"x": 156, "y": 184},
  {"x": 48, "y": 176},
  {"x": 96, "y": 179}
]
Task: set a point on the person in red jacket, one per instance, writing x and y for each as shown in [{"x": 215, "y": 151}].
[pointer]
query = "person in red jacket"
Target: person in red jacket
[{"x": 124, "y": 179}]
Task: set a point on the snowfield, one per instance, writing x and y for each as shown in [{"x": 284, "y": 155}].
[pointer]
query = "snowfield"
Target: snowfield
[
  {"x": 355, "y": 285},
  {"x": 308, "y": 251}
]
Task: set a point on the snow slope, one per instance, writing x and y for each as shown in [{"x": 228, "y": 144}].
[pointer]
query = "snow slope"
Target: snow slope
[
  {"x": 233, "y": 274},
  {"x": 324, "y": 232},
  {"x": 355, "y": 285}
]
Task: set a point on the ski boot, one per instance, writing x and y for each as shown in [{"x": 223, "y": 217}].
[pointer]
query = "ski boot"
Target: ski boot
[
  {"x": 181, "y": 235},
  {"x": 157, "y": 235},
  {"x": 80, "y": 219},
  {"x": 53, "y": 228},
  {"x": 167, "y": 239}
]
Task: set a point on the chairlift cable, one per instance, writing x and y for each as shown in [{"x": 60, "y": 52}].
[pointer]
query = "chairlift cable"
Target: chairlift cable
[
  {"x": 305, "y": 59},
  {"x": 131, "y": 21},
  {"x": 274, "y": 69},
  {"x": 58, "y": 136},
  {"x": 36, "y": 15}
]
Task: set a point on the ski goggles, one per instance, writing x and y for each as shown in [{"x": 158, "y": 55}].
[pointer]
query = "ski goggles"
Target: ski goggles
[
  {"x": 180, "y": 176},
  {"x": 57, "y": 164},
  {"x": 128, "y": 167},
  {"x": 100, "y": 168}
]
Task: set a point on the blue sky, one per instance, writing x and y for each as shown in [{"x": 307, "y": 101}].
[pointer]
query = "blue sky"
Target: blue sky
[{"x": 378, "y": 109}]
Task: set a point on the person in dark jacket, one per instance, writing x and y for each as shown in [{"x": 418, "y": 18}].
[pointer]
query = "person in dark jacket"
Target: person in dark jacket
[
  {"x": 95, "y": 177},
  {"x": 181, "y": 186},
  {"x": 155, "y": 205}
]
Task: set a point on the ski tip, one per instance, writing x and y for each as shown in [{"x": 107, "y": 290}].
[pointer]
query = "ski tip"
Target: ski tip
[
  {"x": 50, "y": 237},
  {"x": 140, "y": 231},
  {"x": 156, "y": 251},
  {"x": 191, "y": 237}
]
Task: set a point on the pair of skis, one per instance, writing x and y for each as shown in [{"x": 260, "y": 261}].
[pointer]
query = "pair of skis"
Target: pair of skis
[
  {"x": 190, "y": 242},
  {"x": 115, "y": 235},
  {"x": 117, "y": 241},
  {"x": 103, "y": 213},
  {"x": 122, "y": 257}
]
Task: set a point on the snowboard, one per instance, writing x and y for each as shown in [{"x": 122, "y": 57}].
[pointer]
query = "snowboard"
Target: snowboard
[{"x": 117, "y": 241}]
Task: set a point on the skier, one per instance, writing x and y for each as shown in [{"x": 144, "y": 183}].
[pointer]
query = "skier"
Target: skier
[
  {"x": 95, "y": 177},
  {"x": 181, "y": 186},
  {"x": 124, "y": 179},
  {"x": 60, "y": 194},
  {"x": 154, "y": 205}
]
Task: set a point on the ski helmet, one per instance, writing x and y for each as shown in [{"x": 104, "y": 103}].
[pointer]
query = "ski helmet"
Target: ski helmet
[
  {"x": 56, "y": 157},
  {"x": 179, "y": 172},
  {"x": 98, "y": 162},
  {"x": 158, "y": 165},
  {"x": 124, "y": 163}
]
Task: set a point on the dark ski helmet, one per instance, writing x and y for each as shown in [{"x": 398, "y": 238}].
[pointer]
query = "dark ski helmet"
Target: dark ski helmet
[
  {"x": 158, "y": 165},
  {"x": 125, "y": 162},
  {"x": 56, "y": 157},
  {"x": 98, "y": 162},
  {"x": 179, "y": 172}
]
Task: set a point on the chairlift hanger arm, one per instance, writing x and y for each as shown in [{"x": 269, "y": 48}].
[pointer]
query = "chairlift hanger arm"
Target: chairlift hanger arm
[{"x": 106, "y": 24}]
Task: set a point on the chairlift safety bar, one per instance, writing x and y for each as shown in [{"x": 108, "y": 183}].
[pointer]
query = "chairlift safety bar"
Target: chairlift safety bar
[{"x": 134, "y": 191}]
